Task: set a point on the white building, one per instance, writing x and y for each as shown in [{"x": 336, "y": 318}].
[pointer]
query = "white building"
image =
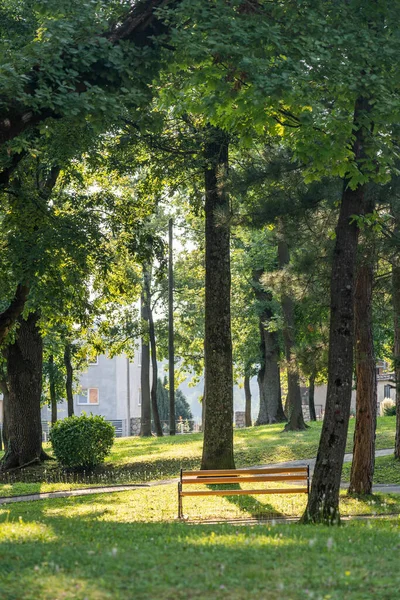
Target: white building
[
  {"x": 110, "y": 388},
  {"x": 386, "y": 388}
]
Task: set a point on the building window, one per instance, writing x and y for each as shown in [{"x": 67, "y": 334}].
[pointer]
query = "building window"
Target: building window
[
  {"x": 386, "y": 391},
  {"x": 139, "y": 397},
  {"x": 89, "y": 396}
]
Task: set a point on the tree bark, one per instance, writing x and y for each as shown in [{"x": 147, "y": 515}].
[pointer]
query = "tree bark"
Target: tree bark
[
  {"x": 311, "y": 396},
  {"x": 152, "y": 337},
  {"x": 145, "y": 416},
  {"x": 295, "y": 410},
  {"x": 24, "y": 367},
  {"x": 323, "y": 501},
  {"x": 69, "y": 379},
  {"x": 268, "y": 377},
  {"x": 53, "y": 398},
  {"x": 362, "y": 469},
  {"x": 4, "y": 391},
  {"x": 247, "y": 394},
  {"x": 396, "y": 326},
  {"x": 218, "y": 429},
  {"x": 11, "y": 314},
  {"x": 171, "y": 349}
]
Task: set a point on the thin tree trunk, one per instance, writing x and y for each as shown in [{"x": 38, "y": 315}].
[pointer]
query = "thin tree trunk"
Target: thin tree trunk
[
  {"x": 69, "y": 379},
  {"x": 362, "y": 469},
  {"x": 295, "y": 410},
  {"x": 24, "y": 367},
  {"x": 247, "y": 393},
  {"x": 203, "y": 405},
  {"x": 218, "y": 430},
  {"x": 262, "y": 418},
  {"x": 171, "y": 349},
  {"x": 323, "y": 501},
  {"x": 145, "y": 424},
  {"x": 396, "y": 326},
  {"x": 53, "y": 399},
  {"x": 311, "y": 396},
  {"x": 4, "y": 391},
  {"x": 268, "y": 378},
  {"x": 152, "y": 338}
]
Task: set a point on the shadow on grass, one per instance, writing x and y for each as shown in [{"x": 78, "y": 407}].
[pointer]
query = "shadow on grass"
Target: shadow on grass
[
  {"x": 106, "y": 474},
  {"x": 77, "y": 556},
  {"x": 247, "y": 503}
]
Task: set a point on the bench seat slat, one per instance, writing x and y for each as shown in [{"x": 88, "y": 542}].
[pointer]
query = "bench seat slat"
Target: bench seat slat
[
  {"x": 244, "y": 492},
  {"x": 252, "y": 478},
  {"x": 235, "y": 472}
]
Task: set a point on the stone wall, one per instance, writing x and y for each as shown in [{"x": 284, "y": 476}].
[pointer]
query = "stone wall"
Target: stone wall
[
  {"x": 240, "y": 419},
  {"x": 135, "y": 426}
]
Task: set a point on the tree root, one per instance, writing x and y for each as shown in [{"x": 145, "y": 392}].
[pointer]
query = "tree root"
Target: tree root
[
  {"x": 44, "y": 456},
  {"x": 7, "y": 464}
]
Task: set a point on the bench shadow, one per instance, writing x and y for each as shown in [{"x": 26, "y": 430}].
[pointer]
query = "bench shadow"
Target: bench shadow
[{"x": 248, "y": 503}]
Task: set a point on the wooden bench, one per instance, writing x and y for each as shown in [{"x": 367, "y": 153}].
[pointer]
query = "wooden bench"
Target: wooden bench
[{"x": 291, "y": 475}]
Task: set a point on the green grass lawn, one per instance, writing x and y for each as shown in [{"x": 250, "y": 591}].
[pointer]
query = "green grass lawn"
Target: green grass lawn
[
  {"x": 137, "y": 459},
  {"x": 128, "y": 546},
  {"x": 387, "y": 470}
]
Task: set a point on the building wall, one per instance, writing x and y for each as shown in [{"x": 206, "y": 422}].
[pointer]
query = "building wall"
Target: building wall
[
  {"x": 385, "y": 385},
  {"x": 320, "y": 398},
  {"x": 103, "y": 377},
  {"x": 110, "y": 377}
]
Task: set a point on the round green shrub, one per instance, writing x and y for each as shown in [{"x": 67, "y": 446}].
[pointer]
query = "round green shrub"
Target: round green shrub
[
  {"x": 82, "y": 442},
  {"x": 389, "y": 411}
]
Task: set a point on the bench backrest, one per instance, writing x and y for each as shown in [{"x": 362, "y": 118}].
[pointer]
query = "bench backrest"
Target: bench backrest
[{"x": 266, "y": 474}]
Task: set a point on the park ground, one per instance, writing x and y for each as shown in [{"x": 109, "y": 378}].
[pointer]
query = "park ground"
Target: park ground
[{"x": 130, "y": 545}]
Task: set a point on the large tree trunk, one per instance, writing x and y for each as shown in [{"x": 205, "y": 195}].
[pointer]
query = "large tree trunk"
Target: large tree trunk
[
  {"x": 53, "y": 398},
  {"x": 154, "y": 369},
  {"x": 11, "y": 314},
  {"x": 362, "y": 469},
  {"x": 218, "y": 429},
  {"x": 323, "y": 501},
  {"x": 311, "y": 398},
  {"x": 268, "y": 378},
  {"x": 247, "y": 394},
  {"x": 295, "y": 410},
  {"x": 24, "y": 367},
  {"x": 69, "y": 379},
  {"x": 145, "y": 416}
]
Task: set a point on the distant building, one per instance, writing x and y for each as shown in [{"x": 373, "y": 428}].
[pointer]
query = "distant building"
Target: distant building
[
  {"x": 109, "y": 387},
  {"x": 386, "y": 388}
]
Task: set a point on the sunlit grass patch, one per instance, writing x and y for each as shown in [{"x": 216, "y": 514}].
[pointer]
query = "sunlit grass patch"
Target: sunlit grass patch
[
  {"x": 115, "y": 547},
  {"x": 20, "y": 531},
  {"x": 159, "y": 504},
  {"x": 135, "y": 459},
  {"x": 387, "y": 470}
]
